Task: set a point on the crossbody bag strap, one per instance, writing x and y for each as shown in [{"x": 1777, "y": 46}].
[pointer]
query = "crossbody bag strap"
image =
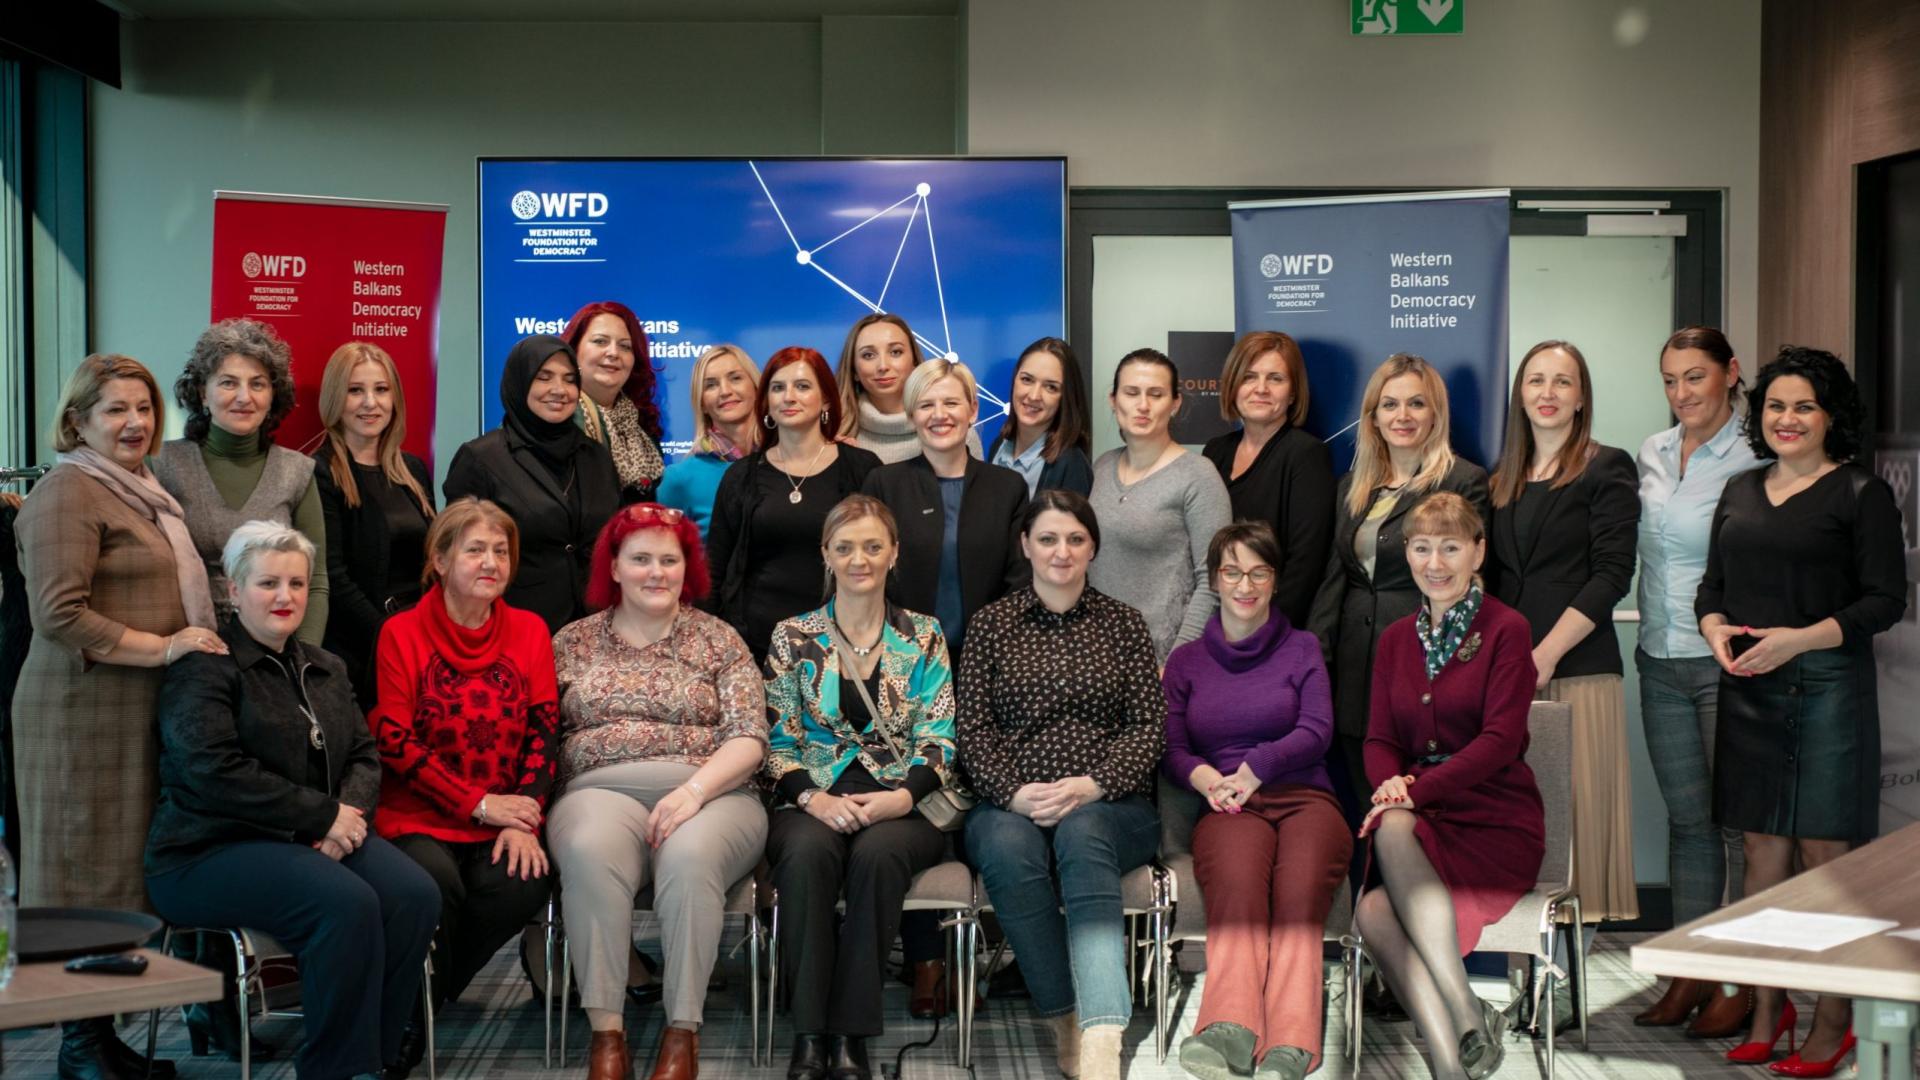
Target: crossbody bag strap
[{"x": 841, "y": 649}]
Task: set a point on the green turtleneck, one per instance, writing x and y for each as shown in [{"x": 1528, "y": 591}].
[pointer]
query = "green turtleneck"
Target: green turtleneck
[{"x": 235, "y": 463}]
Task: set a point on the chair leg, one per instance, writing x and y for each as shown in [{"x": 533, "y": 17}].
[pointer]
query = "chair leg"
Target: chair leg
[
  {"x": 242, "y": 975},
  {"x": 970, "y": 967},
  {"x": 1160, "y": 982},
  {"x": 1576, "y": 946},
  {"x": 753, "y": 993},
  {"x": 566, "y": 993},
  {"x": 153, "y": 1017},
  {"x": 1358, "y": 1015},
  {"x": 773, "y": 968},
  {"x": 426, "y": 1011},
  {"x": 547, "y": 1059}
]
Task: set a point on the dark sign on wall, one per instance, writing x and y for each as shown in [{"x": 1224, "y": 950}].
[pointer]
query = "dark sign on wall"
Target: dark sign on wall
[{"x": 1200, "y": 355}]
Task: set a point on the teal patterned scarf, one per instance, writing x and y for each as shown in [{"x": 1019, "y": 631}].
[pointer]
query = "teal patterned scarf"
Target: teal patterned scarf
[{"x": 1442, "y": 641}]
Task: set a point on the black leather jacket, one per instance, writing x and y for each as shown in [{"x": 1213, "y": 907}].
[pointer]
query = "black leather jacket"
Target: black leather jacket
[{"x": 235, "y": 749}]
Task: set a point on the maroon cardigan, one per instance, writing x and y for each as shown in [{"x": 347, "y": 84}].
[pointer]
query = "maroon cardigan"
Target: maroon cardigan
[{"x": 1480, "y": 817}]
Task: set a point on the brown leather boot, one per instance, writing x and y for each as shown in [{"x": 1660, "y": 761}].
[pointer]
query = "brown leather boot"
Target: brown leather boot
[
  {"x": 679, "y": 1056},
  {"x": 1724, "y": 1015},
  {"x": 607, "y": 1057},
  {"x": 930, "y": 997},
  {"x": 1682, "y": 997}
]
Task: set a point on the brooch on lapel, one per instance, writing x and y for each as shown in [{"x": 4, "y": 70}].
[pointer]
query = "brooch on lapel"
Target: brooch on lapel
[{"x": 1468, "y": 647}]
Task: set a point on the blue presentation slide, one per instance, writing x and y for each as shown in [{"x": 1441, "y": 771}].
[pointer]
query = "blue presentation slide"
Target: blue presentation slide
[{"x": 767, "y": 253}]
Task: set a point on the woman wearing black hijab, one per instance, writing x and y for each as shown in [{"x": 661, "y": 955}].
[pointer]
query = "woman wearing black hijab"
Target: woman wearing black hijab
[{"x": 559, "y": 485}]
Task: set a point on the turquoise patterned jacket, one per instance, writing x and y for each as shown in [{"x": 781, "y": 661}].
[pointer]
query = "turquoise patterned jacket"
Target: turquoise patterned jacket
[{"x": 805, "y": 726}]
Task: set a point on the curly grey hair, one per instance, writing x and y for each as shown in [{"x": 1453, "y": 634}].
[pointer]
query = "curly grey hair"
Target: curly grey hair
[
  {"x": 256, "y": 538},
  {"x": 229, "y": 337}
]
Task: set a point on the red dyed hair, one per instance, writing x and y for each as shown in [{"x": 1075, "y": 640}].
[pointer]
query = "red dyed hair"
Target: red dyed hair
[
  {"x": 640, "y": 381},
  {"x": 603, "y": 593},
  {"x": 822, "y": 374}
]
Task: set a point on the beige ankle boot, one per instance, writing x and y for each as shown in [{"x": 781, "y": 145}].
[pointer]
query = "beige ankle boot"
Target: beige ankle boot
[
  {"x": 1066, "y": 1043},
  {"x": 1100, "y": 1052}
]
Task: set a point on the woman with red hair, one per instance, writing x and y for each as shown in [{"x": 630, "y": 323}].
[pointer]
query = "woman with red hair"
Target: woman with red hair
[
  {"x": 663, "y": 719},
  {"x": 771, "y": 504},
  {"x": 617, "y": 409}
]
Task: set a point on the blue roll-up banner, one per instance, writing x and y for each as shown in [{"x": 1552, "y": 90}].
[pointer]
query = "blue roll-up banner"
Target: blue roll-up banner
[
  {"x": 767, "y": 253},
  {"x": 1355, "y": 279}
]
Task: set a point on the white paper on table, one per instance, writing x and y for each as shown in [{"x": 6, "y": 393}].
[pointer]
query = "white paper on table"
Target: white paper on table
[
  {"x": 1913, "y": 933},
  {"x": 1805, "y": 930}
]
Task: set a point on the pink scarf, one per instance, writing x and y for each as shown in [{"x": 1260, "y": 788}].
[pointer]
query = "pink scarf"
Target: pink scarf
[{"x": 144, "y": 495}]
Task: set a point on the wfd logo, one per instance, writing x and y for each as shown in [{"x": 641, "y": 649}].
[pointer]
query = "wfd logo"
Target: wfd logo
[
  {"x": 528, "y": 205},
  {"x": 1272, "y": 265},
  {"x": 273, "y": 266}
]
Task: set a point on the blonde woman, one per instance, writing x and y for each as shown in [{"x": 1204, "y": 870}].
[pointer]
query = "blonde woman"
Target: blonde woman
[
  {"x": 726, "y": 403},
  {"x": 1403, "y": 452},
  {"x": 377, "y": 501},
  {"x": 880, "y": 352}
]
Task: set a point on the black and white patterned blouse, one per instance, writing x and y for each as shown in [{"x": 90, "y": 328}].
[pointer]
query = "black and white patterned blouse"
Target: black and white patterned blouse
[{"x": 1046, "y": 695}]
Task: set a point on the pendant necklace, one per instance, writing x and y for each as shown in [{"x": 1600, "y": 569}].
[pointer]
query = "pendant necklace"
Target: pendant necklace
[{"x": 794, "y": 496}]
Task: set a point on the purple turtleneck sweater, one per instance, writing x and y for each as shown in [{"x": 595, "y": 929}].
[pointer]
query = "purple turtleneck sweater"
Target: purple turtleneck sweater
[{"x": 1263, "y": 700}]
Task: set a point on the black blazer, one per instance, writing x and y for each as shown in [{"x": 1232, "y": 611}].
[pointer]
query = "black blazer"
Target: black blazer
[
  {"x": 1581, "y": 557},
  {"x": 991, "y": 566},
  {"x": 361, "y": 592},
  {"x": 1070, "y": 471},
  {"x": 1290, "y": 487},
  {"x": 234, "y": 756},
  {"x": 1351, "y": 608},
  {"x": 557, "y": 529}
]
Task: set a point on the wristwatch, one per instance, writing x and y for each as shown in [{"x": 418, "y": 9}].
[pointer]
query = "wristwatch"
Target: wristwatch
[{"x": 801, "y": 800}]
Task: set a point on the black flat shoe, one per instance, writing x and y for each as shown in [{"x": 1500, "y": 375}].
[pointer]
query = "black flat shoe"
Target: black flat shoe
[
  {"x": 809, "y": 1060},
  {"x": 413, "y": 1047},
  {"x": 134, "y": 1063},
  {"x": 847, "y": 1058},
  {"x": 84, "y": 1053},
  {"x": 217, "y": 1027},
  {"x": 651, "y": 991}
]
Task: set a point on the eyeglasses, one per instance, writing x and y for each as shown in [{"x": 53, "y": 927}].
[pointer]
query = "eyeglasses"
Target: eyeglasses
[
  {"x": 1259, "y": 575},
  {"x": 654, "y": 513}
]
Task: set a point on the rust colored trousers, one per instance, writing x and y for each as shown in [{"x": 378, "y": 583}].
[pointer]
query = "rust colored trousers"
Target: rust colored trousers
[{"x": 1268, "y": 875}]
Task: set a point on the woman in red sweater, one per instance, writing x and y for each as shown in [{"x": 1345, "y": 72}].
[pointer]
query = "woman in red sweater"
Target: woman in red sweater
[{"x": 465, "y": 725}]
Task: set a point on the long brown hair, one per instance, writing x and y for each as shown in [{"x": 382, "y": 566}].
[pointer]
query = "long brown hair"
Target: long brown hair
[
  {"x": 1071, "y": 422},
  {"x": 333, "y": 409},
  {"x": 848, "y": 374},
  {"x": 1516, "y": 457},
  {"x": 1371, "y": 461}
]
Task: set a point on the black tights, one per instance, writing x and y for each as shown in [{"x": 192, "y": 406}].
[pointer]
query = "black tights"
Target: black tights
[{"x": 1409, "y": 928}]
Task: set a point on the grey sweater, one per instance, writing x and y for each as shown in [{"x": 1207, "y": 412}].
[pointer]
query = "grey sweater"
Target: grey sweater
[{"x": 1153, "y": 543}]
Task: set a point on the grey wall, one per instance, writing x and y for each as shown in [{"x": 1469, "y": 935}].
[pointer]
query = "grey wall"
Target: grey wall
[
  {"x": 1536, "y": 93},
  {"x": 401, "y": 110}
]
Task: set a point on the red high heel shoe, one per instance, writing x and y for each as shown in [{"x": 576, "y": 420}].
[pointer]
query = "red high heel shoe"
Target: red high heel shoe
[
  {"x": 1758, "y": 1053},
  {"x": 1795, "y": 1065}
]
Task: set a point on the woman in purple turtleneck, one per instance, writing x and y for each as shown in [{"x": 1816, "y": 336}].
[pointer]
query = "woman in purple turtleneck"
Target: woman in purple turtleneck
[{"x": 1249, "y": 717}]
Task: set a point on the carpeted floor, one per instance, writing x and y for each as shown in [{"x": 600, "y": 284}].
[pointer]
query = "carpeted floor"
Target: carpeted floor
[{"x": 498, "y": 1032}]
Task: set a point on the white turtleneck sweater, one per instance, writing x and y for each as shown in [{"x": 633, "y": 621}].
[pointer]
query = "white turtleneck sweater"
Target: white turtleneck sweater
[{"x": 891, "y": 438}]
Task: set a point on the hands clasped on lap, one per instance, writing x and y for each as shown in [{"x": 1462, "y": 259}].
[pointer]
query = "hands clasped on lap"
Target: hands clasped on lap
[
  {"x": 518, "y": 819},
  {"x": 1394, "y": 793},
  {"x": 849, "y": 814},
  {"x": 1048, "y": 804}
]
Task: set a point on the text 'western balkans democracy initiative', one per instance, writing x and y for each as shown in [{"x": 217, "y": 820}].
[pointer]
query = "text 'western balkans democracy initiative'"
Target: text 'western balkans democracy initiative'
[{"x": 1419, "y": 300}]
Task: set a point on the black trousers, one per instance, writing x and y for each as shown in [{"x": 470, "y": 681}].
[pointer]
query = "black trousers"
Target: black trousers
[
  {"x": 481, "y": 906},
  {"x": 359, "y": 928},
  {"x": 833, "y": 978}
]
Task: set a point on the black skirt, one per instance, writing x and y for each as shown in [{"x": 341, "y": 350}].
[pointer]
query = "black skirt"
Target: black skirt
[{"x": 1797, "y": 751}]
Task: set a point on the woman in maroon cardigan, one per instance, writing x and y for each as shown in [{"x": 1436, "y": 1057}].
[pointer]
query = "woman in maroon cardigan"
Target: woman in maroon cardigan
[
  {"x": 1458, "y": 827},
  {"x": 465, "y": 725}
]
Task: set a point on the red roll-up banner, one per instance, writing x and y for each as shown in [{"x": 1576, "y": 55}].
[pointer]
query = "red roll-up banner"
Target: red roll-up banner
[{"x": 326, "y": 271}]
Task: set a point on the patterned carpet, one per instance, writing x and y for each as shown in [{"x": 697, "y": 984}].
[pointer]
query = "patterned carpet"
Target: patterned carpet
[{"x": 497, "y": 1032}]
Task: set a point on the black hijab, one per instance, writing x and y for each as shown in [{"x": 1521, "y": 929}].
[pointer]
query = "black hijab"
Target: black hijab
[{"x": 554, "y": 444}]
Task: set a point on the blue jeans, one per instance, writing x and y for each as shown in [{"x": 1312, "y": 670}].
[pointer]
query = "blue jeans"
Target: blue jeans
[
  {"x": 1078, "y": 959},
  {"x": 1679, "y": 703}
]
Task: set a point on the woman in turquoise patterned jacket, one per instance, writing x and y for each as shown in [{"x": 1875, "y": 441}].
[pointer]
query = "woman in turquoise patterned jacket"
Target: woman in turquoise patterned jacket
[{"x": 848, "y": 784}]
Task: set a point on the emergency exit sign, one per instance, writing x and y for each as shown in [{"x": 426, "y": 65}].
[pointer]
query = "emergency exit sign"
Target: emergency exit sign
[{"x": 1397, "y": 17}]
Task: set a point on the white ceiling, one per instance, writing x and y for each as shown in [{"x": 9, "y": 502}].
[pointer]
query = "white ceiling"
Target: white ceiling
[{"x": 522, "y": 10}]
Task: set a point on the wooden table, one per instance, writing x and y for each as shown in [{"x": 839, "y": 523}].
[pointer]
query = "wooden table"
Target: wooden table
[
  {"x": 47, "y": 993},
  {"x": 1881, "y": 973}
]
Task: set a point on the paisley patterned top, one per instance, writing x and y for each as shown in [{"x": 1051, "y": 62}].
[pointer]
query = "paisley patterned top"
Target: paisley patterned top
[
  {"x": 677, "y": 699},
  {"x": 803, "y": 701},
  {"x": 1441, "y": 642}
]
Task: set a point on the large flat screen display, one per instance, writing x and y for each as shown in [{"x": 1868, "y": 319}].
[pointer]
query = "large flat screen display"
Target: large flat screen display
[{"x": 767, "y": 253}]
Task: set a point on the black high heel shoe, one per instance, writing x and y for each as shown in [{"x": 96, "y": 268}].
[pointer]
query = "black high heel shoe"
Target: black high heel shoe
[
  {"x": 809, "y": 1060},
  {"x": 217, "y": 1028},
  {"x": 847, "y": 1058}
]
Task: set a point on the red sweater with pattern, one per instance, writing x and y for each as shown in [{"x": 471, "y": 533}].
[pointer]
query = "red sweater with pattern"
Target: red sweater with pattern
[{"x": 462, "y": 713}]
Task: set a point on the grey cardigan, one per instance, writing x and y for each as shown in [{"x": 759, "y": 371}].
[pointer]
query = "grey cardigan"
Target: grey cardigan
[{"x": 1153, "y": 543}]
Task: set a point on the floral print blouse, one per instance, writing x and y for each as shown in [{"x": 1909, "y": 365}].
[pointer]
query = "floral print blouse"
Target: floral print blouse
[{"x": 677, "y": 699}]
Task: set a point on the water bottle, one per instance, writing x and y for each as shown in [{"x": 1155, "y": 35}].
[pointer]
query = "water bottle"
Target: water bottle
[{"x": 8, "y": 920}]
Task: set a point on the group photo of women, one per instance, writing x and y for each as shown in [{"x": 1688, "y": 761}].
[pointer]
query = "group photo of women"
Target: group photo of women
[{"x": 859, "y": 630}]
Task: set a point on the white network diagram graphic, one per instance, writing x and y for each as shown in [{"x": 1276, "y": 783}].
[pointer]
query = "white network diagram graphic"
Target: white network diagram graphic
[{"x": 922, "y": 209}]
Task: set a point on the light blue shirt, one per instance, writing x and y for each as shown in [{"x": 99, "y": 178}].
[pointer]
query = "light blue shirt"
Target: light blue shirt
[
  {"x": 1676, "y": 520},
  {"x": 1028, "y": 464}
]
